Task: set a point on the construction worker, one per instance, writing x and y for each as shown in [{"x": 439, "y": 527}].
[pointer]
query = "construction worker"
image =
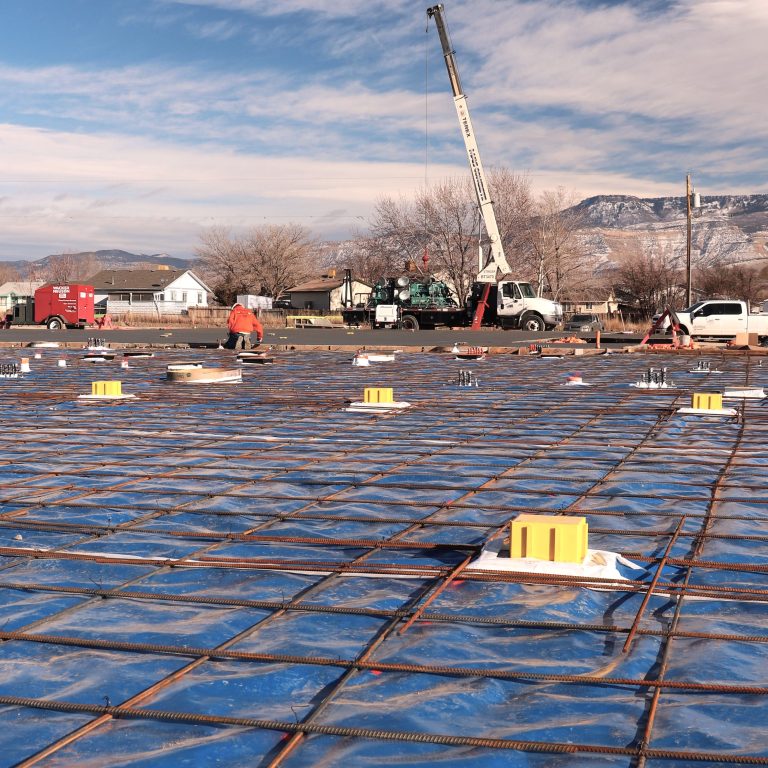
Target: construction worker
[{"x": 241, "y": 323}]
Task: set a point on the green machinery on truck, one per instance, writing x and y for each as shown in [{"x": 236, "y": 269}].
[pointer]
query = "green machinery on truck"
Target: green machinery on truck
[{"x": 424, "y": 302}]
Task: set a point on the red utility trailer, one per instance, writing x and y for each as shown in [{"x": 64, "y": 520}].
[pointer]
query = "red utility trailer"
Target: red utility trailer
[{"x": 64, "y": 305}]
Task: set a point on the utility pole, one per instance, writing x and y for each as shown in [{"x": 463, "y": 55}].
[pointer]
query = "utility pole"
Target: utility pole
[
  {"x": 540, "y": 283},
  {"x": 692, "y": 200},
  {"x": 688, "y": 240}
]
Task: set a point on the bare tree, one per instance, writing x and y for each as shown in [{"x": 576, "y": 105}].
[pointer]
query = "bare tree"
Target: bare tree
[
  {"x": 444, "y": 220},
  {"x": 398, "y": 235},
  {"x": 267, "y": 260},
  {"x": 367, "y": 257},
  {"x": 737, "y": 281},
  {"x": 450, "y": 222},
  {"x": 69, "y": 267},
  {"x": 61, "y": 268},
  {"x": 554, "y": 246},
  {"x": 648, "y": 280},
  {"x": 513, "y": 206},
  {"x": 8, "y": 273},
  {"x": 222, "y": 262},
  {"x": 279, "y": 256}
]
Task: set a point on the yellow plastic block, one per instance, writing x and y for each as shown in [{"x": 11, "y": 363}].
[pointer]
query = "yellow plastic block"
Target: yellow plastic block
[
  {"x": 109, "y": 388},
  {"x": 556, "y": 538},
  {"x": 708, "y": 400},
  {"x": 378, "y": 395}
]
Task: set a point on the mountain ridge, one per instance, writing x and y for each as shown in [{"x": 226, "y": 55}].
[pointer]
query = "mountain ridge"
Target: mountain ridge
[
  {"x": 726, "y": 229},
  {"x": 620, "y": 211},
  {"x": 105, "y": 258}
]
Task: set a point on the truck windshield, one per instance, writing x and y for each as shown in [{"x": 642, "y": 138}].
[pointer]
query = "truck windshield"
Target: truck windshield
[{"x": 527, "y": 290}]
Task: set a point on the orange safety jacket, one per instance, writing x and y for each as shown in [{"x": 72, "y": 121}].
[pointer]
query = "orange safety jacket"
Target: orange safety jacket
[{"x": 242, "y": 320}]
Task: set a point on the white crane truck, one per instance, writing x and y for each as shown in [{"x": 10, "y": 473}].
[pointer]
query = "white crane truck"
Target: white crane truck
[
  {"x": 495, "y": 299},
  {"x": 516, "y": 304}
]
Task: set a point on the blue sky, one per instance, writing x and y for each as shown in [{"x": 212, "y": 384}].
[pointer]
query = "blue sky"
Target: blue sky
[{"x": 137, "y": 123}]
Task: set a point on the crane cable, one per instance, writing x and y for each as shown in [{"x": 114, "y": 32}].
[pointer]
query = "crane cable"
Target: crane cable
[
  {"x": 426, "y": 106},
  {"x": 425, "y": 257}
]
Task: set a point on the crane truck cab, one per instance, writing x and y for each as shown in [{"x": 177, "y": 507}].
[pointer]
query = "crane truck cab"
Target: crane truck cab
[{"x": 518, "y": 306}]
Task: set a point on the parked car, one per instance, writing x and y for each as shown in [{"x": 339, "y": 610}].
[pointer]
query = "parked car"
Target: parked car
[
  {"x": 584, "y": 324},
  {"x": 281, "y": 304}
]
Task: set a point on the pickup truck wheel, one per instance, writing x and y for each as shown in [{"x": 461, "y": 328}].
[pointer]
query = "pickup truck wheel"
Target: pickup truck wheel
[
  {"x": 409, "y": 323},
  {"x": 55, "y": 323},
  {"x": 682, "y": 332},
  {"x": 532, "y": 322}
]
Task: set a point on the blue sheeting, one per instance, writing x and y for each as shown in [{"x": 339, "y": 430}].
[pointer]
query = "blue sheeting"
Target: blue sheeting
[{"x": 357, "y": 523}]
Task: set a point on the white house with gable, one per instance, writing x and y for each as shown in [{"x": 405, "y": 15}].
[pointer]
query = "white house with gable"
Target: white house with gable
[
  {"x": 17, "y": 292},
  {"x": 161, "y": 290}
]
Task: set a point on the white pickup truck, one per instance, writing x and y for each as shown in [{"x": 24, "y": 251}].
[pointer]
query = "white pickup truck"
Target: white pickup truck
[{"x": 722, "y": 318}]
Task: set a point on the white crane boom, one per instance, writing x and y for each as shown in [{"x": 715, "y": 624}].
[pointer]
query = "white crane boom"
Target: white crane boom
[{"x": 488, "y": 269}]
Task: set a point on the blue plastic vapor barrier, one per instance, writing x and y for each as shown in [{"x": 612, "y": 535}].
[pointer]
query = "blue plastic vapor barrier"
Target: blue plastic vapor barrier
[{"x": 248, "y": 574}]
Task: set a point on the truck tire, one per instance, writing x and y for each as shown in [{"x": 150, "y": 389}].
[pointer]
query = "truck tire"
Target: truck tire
[
  {"x": 683, "y": 331},
  {"x": 55, "y": 323},
  {"x": 409, "y": 323},
  {"x": 530, "y": 321}
]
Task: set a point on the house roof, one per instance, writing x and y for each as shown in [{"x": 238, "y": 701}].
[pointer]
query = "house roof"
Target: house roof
[
  {"x": 139, "y": 279},
  {"x": 590, "y": 300},
  {"x": 321, "y": 285},
  {"x": 318, "y": 285},
  {"x": 20, "y": 287}
]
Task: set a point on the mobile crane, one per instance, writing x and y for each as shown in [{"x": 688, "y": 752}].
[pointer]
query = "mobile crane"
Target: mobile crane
[
  {"x": 493, "y": 300},
  {"x": 515, "y": 302}
]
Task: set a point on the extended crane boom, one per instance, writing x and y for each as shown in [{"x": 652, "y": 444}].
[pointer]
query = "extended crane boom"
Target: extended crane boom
[
  {"x": 488, "y": 268},
  {"x": 511, "y": 303}
]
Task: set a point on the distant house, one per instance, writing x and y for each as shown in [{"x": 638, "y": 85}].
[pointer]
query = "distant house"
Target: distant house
[
  {"x": 325, "y": 293},
  {"x": 17, "y": 292},
  {"x": 606, "y": 305},
  {"x": 161, "y": 290}
]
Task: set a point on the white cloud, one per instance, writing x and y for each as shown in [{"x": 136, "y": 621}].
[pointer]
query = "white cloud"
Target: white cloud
[
  {"x": 625, "y": 98},
  {"x": 337, "y": 8},
  {"x": 696, "y": 63},
  {"x": 83, "y": 190},
  {"x": 215, "y": 30},
  {"x": 143, "y": 195}
]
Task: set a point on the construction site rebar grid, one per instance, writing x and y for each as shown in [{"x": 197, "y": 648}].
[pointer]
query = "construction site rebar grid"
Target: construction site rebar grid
[{"x": 247, "y": 573}]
